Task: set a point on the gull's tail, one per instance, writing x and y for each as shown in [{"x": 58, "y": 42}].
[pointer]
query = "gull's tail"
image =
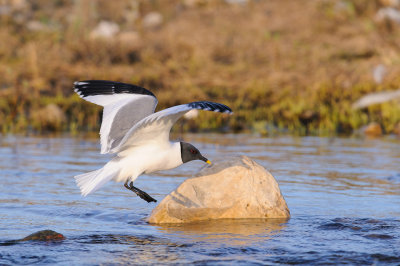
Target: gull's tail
[{"x": 92, "y": 181}]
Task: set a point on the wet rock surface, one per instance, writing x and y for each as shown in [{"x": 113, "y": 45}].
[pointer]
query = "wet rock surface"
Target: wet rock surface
[
  {"x": 44, "y": 235},
  {"x": 235, "y": 187}
]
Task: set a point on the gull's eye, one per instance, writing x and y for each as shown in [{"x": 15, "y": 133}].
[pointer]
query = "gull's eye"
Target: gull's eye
[{"x": 193, "y": 151}]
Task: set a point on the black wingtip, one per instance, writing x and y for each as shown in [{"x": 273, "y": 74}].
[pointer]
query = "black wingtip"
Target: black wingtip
[
  {"x": 211, "y": 106},
  {"x": 104, "y": 87}
]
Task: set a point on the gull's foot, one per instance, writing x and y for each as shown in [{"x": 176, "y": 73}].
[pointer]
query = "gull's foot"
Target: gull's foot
[
  {"x": 145, "y": 196},
  {"x": 139, "y": 192}
]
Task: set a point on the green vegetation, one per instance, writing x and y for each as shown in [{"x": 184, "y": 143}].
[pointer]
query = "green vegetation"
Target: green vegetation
[{"x": 281, "y": 65}]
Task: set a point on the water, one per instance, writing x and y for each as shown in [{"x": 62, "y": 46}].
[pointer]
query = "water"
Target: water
[{"x": 344, "y": 197}]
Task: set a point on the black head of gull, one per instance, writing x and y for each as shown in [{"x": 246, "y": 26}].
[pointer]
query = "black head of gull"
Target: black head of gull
[{"x": 190, "y": 153}]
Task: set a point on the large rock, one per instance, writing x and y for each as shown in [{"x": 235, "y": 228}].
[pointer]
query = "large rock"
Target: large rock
[{"x": 235, "y": 187}]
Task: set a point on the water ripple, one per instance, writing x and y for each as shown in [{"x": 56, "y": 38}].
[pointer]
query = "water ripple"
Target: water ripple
[{"x": 343, "y": 194}]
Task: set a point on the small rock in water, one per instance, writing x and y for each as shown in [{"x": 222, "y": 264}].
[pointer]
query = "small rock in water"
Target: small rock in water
[
  {"x": 44, "y": 235},
  {"x": 235, "y": 187},
  {"x": 373, "y": 130}
]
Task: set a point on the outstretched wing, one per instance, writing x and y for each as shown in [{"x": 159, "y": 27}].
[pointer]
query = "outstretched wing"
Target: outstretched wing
[
  {"x": 124, "y": 106},
  {"x": 156, "y": 127}
]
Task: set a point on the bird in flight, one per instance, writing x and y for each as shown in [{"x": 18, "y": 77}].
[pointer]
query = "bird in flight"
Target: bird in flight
[{"x": 137, "y": 135}]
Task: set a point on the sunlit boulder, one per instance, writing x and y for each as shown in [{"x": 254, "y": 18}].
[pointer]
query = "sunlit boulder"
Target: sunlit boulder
[{"x": 234, "y": 187}]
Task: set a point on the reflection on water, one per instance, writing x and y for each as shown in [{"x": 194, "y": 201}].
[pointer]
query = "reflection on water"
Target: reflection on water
[
  {"x": 343, "y": 194},
  {"x": 236, "y": 232}
]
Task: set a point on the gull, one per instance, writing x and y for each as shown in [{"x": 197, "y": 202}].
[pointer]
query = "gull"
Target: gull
[{"x": 136, "y": 134}]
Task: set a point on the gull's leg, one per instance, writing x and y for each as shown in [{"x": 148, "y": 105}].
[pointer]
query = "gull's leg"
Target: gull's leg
[
  {"x": 139, "y": 192},
  {"x": 126, "y": 184}
]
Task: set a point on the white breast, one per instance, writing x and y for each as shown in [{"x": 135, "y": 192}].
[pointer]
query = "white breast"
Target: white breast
[{"x": 148, "y": 159}]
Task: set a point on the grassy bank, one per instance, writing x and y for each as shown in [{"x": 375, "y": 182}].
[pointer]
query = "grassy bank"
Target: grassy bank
[{"x": 285, "y": 65}]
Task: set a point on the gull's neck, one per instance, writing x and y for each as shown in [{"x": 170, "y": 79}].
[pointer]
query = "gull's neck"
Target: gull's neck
[
  {"x": 174, "y": 155},
  {"x": 176, "y": 151}
]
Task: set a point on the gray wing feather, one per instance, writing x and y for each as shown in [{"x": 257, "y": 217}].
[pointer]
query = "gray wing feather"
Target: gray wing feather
[
  {"x": 156, "y": 127},
  {"x": 127, "y": 116},
  {"x": 124, "y": 105}
]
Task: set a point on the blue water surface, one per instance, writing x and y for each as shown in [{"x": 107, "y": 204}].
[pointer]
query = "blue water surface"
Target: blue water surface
[{"x": 343, "y": 194}]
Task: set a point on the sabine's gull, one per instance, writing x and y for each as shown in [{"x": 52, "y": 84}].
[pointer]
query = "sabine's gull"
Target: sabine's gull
[{"x": 137, "y": 135}]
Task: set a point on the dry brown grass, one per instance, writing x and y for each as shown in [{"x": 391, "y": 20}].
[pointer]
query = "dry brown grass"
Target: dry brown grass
[{"x": 288, "y": 63}]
